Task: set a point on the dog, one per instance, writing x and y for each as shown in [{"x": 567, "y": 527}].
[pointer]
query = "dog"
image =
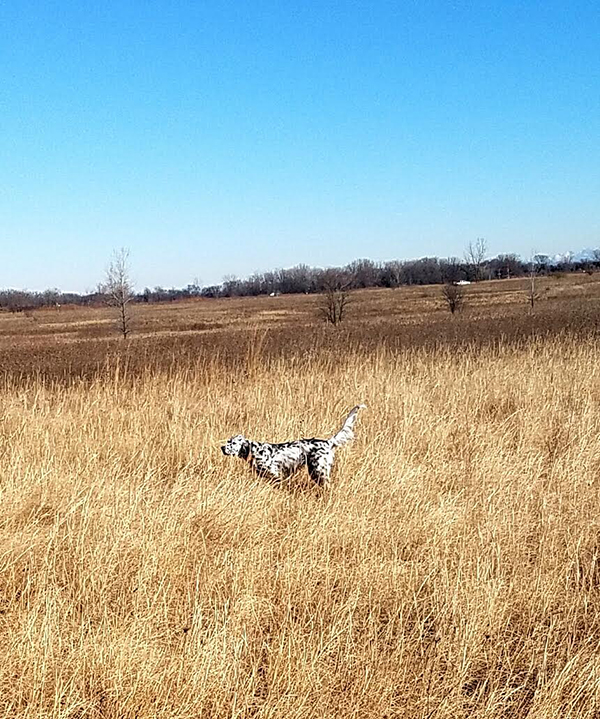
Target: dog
[{"x": 279, "y": 461}]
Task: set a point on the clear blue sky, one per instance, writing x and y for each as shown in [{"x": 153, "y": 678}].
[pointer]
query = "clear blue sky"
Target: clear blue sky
[{"x": 217, "y": 138}]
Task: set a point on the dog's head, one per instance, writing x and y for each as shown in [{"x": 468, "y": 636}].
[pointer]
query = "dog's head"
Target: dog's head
[{"x": 236, "y": 446}]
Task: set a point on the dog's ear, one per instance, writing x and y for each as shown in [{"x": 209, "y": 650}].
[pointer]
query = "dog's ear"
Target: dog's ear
[{"x": 244, "y": 449}]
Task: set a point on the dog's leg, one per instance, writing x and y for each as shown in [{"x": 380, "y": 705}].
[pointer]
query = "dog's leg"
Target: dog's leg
[
  {"x": 271, "y": 473},
  {"x": 319, "y": 467}
]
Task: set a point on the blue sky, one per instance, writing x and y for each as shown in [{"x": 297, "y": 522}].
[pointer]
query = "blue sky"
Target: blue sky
[{"x": 217, "y": 138}]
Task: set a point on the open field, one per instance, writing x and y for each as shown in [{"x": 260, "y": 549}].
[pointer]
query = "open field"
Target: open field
[
  {"x": 74, "y": 341},
  {"x": 452, "y": 570}
]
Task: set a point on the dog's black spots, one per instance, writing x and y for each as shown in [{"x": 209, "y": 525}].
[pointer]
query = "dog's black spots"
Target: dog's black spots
[
  {"x": 281, "y": 460},
  {"x": 245, "y": 450}
]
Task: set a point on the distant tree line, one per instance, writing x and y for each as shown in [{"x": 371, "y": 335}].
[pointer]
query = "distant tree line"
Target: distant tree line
[
  {"x": 303, "y": 279},
  {"x": 19, "y": 300},
  {"x": 364, "y": 273}
]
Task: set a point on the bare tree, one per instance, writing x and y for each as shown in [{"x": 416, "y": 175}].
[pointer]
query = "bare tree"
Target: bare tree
[
  {"x": 452, "y": 270},
  {"x": 453, "y": 296},
  {"x": 531, "y": 292},
  {"x": 231, "y": 286},
  {"x": 365, "y": 273},
  {"x": 475, "y": 256},
  {"x": 508, "y": 265},
  {"x": 118, "y": 288},
  {"x": 336, "y": 296},
  {"x": 391, "y": 274},
  {"x": 542, "y": 263},
  {"x": 588, "y": 267}
]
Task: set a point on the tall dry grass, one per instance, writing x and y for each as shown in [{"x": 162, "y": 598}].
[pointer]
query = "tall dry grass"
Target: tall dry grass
[{"x": 452, "y": 570}]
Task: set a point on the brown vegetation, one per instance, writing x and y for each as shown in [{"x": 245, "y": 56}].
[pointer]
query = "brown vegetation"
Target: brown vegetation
[
  {"x": 453, "y": 297},
  {"x": 75, "y": 342},
  {"x": 451, "y": 571},
  {"x": 336, "y": 298}
]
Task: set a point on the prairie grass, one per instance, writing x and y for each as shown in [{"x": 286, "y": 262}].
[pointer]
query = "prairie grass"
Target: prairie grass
[
  {"x": 72, "y": 343},
  {"x": 452, "y": 570}
]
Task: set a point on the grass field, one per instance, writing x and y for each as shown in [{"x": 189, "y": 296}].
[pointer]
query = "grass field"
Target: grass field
[
  {"x": 451, "y": 570},
  {"x": 73, "y": 342}
]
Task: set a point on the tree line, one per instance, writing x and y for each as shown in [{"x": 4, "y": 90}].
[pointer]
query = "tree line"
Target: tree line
[{"x": 303, "y": 279}]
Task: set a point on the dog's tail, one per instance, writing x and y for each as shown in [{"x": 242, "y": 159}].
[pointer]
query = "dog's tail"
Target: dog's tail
[{"x": 346, "y": 434}]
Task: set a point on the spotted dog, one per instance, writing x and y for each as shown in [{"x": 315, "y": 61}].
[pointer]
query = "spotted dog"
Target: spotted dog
[{"x": 279, "y": 461}]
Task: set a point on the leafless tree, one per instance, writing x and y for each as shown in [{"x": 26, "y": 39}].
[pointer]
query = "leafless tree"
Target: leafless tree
[
  {"x": 118, "y": 288},
  {"x": 475, "y": 256},
  {"x": 531, "y": 291},
  {"x": 508, "y": 265},
  {"x": 453, "y": 296},
  {"x": 231, "y": 286},
  {"x": 391, "y": 274},
  {"x": 336, "y": 296},
  {"x": 365, "y": 273},
  {"x": 452, "y": 270},
  {"x": 542, "y": 263}
]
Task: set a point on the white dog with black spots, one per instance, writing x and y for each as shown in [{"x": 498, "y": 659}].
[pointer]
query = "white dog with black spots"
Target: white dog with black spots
[{"x": 279, "y": 461}]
